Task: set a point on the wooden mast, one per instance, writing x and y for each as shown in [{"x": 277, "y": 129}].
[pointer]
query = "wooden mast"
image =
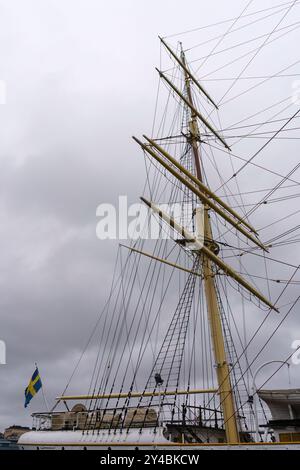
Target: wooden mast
[
  {"x": 206, "y": 250},
  {"x": 214, "y": 315}
]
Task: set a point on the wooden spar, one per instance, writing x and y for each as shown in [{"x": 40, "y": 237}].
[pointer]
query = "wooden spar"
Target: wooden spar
[
  {"x": 194, "y": 110},
  {"x": 137, "y": 394},
  {"x": 208, "y": 253},
  {"x": 187, "y": 71},
  {"x": 201, "y": 195},
  {"x": 213, "y": 311},
  {"x": 199, "y": 183},
  {"x": 222, "y": 369},
  {"x": 169, "y": 263},
  {"x": 232, "y": 273}
]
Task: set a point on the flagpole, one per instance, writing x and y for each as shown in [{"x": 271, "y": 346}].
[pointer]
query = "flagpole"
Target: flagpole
[{"x": 44, "y": 396}]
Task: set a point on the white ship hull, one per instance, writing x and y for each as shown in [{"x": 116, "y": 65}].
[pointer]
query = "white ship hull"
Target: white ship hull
[{"x": 133, "y": 440}]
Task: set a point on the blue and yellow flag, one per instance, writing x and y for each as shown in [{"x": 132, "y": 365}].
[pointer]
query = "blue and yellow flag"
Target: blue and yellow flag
[{"x": 33, "y": 387}]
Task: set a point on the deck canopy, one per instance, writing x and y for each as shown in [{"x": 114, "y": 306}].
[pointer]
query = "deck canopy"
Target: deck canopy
[{"x": 284, "y": 404}]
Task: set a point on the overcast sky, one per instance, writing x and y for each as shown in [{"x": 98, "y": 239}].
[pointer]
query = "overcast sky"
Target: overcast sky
[{"x": 80, "y": 80}]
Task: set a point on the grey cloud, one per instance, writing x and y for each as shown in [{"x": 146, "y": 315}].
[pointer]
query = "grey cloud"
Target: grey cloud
[{"x": 80, "y": 82}]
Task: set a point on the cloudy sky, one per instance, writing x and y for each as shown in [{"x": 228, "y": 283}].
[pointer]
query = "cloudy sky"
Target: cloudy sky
[{"x": 80, "y": 80}]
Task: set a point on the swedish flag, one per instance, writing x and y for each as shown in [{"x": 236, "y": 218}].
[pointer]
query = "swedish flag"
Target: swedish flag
[{"x": 33, "y": 387}]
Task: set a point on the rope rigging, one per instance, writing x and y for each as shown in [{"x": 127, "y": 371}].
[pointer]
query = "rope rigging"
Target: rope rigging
[{"x": 155, "y": 332}]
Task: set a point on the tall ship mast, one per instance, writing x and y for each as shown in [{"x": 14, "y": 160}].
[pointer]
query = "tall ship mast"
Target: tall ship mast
[{"x": 168, "y": 371}]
